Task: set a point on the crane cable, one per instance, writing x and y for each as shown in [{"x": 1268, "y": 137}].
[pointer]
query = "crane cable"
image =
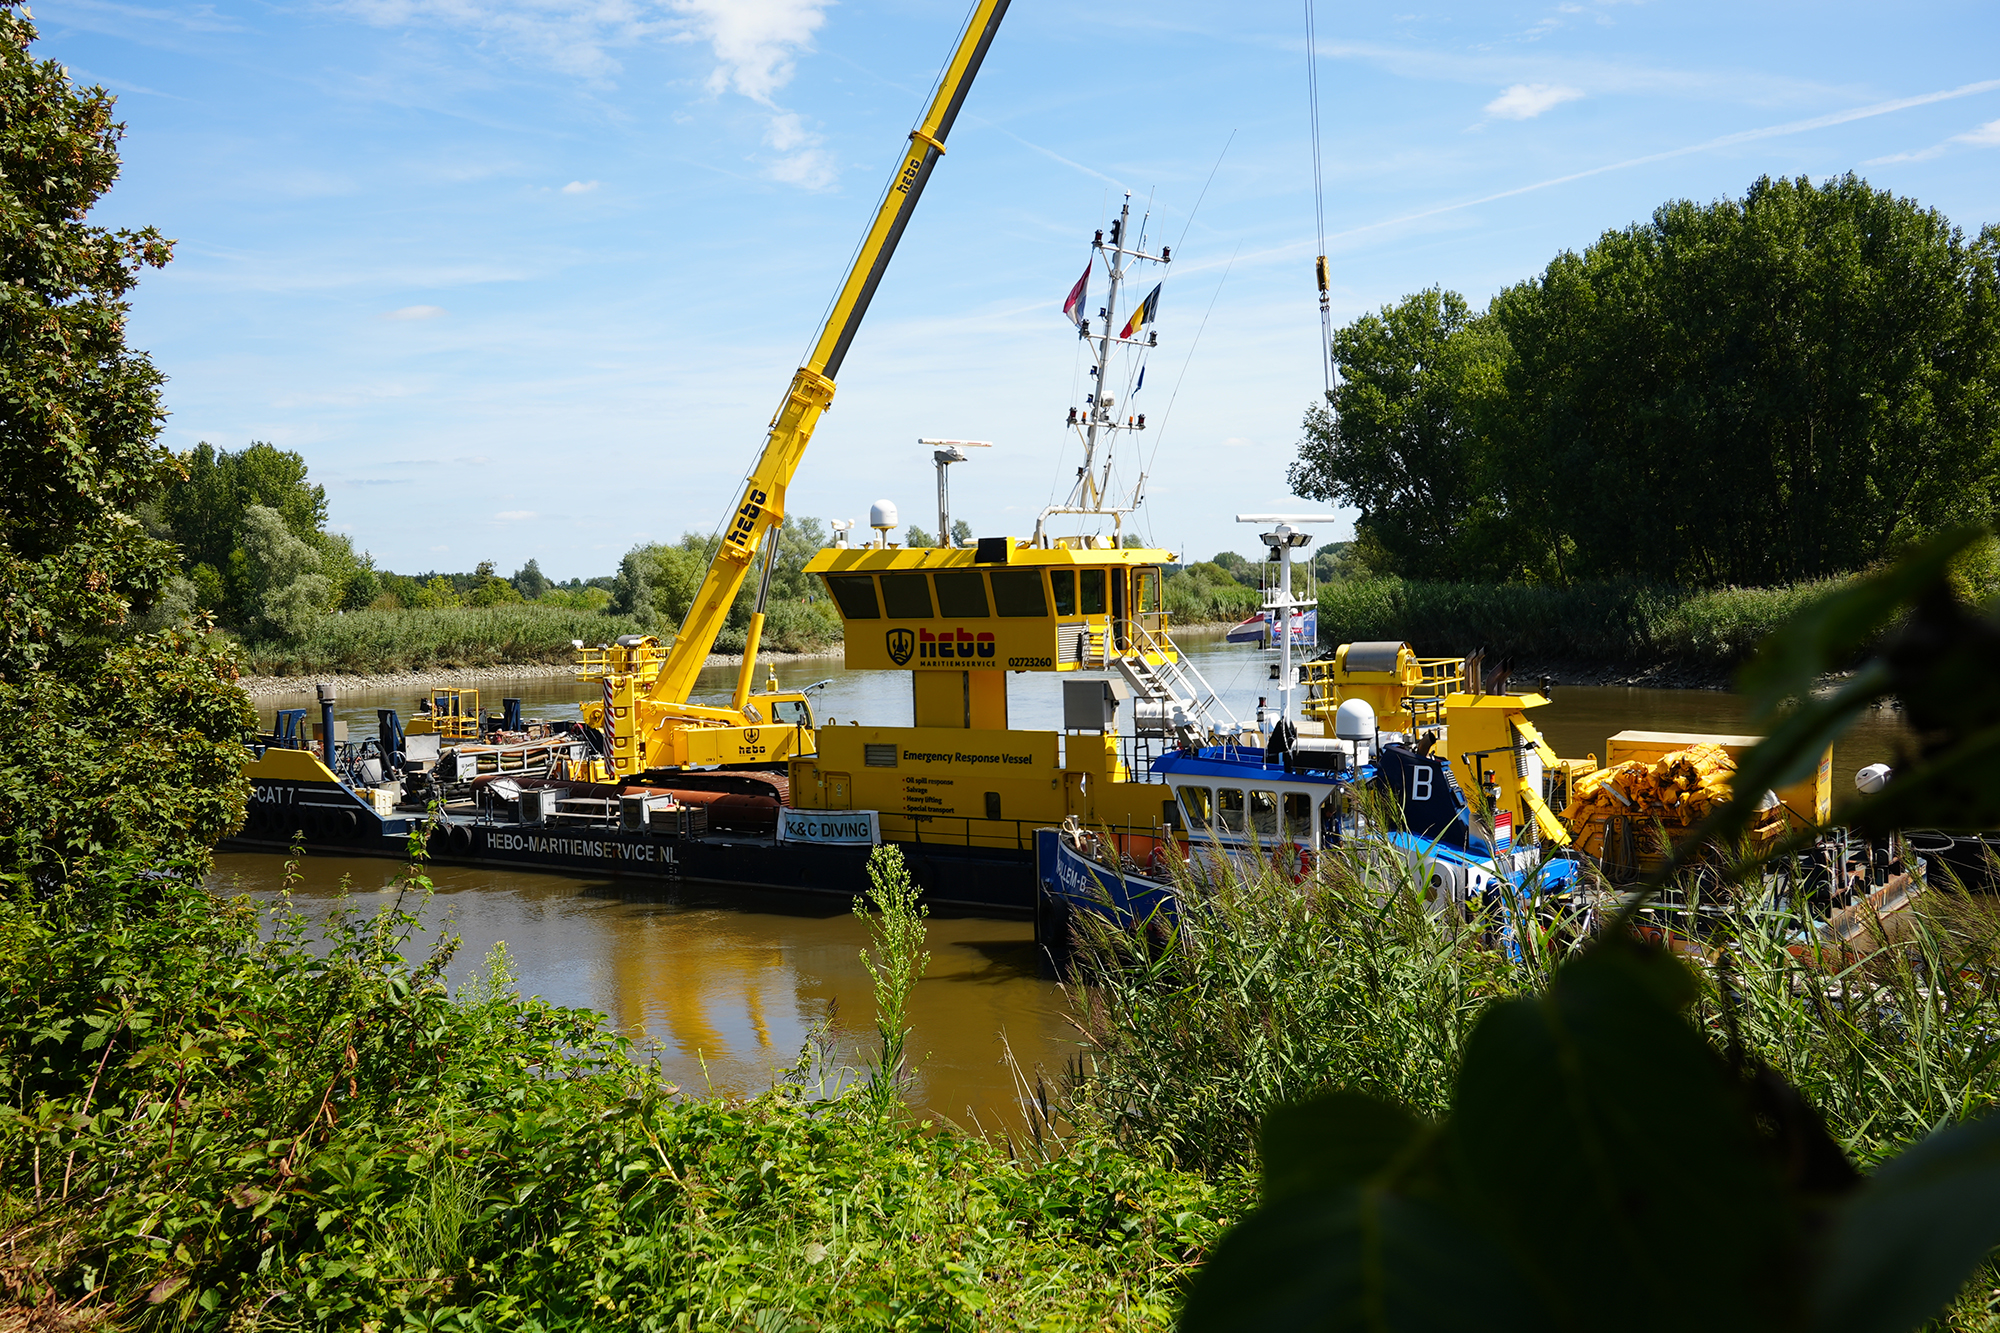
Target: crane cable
[{"x": 1319, "y": 202}]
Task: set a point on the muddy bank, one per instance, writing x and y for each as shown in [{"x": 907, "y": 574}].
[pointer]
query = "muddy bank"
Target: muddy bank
[{"x": 461, "y": 677}]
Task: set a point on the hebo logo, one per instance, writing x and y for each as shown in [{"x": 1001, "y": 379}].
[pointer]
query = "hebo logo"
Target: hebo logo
[
  {"x": 952, "y": 645},
  {"x": 902, "y": 644}
]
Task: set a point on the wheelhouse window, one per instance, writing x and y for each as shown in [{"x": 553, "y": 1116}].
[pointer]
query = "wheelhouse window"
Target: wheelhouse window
[
  {"x": 1092, "y": 581},
  {"x": 961, "y": 594},
  {"x": 1298, "y": 816},
  {"x": 906, "y": 596},
  {"x": 1018, "y": 592},
  {"x": 1063, "y": 583},
  {"x": 1197, "y": 806},
  {"x": 1146, "y": 589},
  {"x": 854, "y": 594},
  {"x": 1229, "y": 809},
  {"x": 791, "y": 713},
  {"x": 1264, "y": 813}
]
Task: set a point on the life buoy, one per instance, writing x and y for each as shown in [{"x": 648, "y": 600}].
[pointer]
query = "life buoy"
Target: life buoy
[{"x": 1307, "y": 864}]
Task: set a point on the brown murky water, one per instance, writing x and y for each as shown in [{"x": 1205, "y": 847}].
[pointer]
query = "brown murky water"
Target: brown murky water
[{"x": 730, "y": 989}]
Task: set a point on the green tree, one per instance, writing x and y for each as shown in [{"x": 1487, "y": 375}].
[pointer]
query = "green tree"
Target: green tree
[
  {"x": 632, "y": 594},
  {"x": 531, "y": 582},
  {"x": 489, "y": 589},
  {"x": 290, "y": 592},
  {"x": 126, "y": 743},
  {"x": 1402, "y": 436},
  {"x": 1786, "y": 385},
  {"x": 916, "y": 537},
  {"x": 961, "y": 532}
]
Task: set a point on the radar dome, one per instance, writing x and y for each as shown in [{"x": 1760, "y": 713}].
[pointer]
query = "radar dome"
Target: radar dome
[{"x": 1354, "y": 720}]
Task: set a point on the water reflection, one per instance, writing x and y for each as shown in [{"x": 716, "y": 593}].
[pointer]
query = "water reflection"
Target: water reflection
[{"x": 729, "y": 992}]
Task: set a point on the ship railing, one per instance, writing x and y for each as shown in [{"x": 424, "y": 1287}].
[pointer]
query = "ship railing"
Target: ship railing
[{"x": 960, "y": 831}]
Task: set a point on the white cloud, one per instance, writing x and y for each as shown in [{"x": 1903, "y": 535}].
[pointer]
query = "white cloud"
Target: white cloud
[
  {"x": 756, "y": 42},
  {"x": 514, "y": 515},
  {"x": 579, "y": 187},
  {"x": 1525, "y": 101},
  {"x": 416, "y": 312},
  {"x": 1236, "y": 442},
  {"x": 570, "y": 35},
  {"x": 804, "y": 164},
  {"x": 1986, "y": 136}
]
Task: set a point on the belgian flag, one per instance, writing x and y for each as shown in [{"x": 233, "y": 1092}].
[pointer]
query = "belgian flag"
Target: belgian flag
[{"x": 1144, "y": 314}]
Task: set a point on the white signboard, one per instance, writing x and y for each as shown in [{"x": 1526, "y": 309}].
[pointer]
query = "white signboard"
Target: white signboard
[{"x": 853, "y": 827}]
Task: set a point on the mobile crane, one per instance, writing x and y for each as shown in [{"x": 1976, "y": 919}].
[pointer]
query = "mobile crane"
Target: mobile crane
[{"x": 647, "y": 720}]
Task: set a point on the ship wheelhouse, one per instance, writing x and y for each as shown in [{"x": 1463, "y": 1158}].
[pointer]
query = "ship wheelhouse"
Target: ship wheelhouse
[{"x": 1230, "y": 797}]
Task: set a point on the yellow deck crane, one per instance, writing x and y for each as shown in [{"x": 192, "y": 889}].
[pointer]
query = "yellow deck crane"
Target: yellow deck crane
[{"x": 648, "y": 721}]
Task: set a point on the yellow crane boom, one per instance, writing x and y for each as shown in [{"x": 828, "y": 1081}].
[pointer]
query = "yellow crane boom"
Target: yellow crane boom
[{"x": 763, "y": 505}]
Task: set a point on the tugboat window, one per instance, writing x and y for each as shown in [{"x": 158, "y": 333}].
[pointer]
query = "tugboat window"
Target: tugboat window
[
  {"x": 1093, "y": 591},
  {"x": 1063, "y": 581},
  {"x": 1264, "y": 813},
  {"x": 1018, "y": 592},
  {"x": 906, "y": 596},
  {"x": 961, "y": 595},
  {"x": 1200, "y": 809},
  {"x": 1229, "y": 809},
  {"x": 1298, "y": 816},
  {"x": 855, "y": 595}
]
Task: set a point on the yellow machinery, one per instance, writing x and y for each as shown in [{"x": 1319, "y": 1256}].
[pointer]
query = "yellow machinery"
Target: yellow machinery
[
  {"x": 1390, "y": 677},
  {"x": 651, "y": 722},
  {"x": 1496, "y": 753},
  {"x": 962, "y": 622}
]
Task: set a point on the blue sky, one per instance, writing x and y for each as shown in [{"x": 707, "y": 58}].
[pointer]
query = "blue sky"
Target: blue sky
[{"x": 527, "y": 277}]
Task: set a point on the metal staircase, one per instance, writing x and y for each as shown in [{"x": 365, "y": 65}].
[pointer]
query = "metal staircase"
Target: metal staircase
[{"x": 1182, "y": 703}]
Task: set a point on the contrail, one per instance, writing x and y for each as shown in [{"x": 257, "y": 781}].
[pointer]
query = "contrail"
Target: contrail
[{"x": 1741, "y": 136}]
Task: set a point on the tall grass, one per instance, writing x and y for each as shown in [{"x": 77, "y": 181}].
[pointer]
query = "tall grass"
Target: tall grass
[
  {"x": 521, "y": 632},
  {"x": 452, "y": 636},
  {"x": 1273, "y": 990},
  {"x": 1613, "y": 622}
]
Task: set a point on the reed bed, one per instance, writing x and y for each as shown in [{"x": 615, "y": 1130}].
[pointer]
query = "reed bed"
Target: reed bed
[
  {"x": 1611, "y": 622},
  {"x": 507, "y": 635},
  {"x": 1273, "y": 990}
]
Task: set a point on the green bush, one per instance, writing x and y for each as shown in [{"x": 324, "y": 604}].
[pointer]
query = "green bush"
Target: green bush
[
  {"x": 1207, "y": 593},
  {"x": 1613, "y": 622},
  {"x": 202, "y": 1129}
]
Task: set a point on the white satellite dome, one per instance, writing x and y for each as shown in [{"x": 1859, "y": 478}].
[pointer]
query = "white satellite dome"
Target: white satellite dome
[
  {"x": 1354, "y": 720},
  {"x": 1871, "y": 779},
  {"x": 882, "y": 514}
]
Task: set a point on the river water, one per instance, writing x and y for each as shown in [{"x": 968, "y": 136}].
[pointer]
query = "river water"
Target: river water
[{"x": 728, "y": 991}]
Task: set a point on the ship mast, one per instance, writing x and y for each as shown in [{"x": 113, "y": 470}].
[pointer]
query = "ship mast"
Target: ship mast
[{"x": 1100, "y": 416}]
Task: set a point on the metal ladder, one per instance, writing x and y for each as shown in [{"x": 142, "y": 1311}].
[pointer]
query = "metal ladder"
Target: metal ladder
[{"x": 1198, "y": 713}]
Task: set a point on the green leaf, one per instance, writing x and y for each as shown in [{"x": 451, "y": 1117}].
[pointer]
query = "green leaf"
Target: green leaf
[
  {"x": 1361, "y": 1257},
  {"x": 1907, "y": 1240},
  {"x": 1598, "y": 1115},
  {"x": 1332, "y": 1140}
]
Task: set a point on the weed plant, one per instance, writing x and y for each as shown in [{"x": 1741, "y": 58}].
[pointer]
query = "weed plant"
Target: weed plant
[
  {"x": 1613, "y": 622},
  {"x": 895, "y": 959}
]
